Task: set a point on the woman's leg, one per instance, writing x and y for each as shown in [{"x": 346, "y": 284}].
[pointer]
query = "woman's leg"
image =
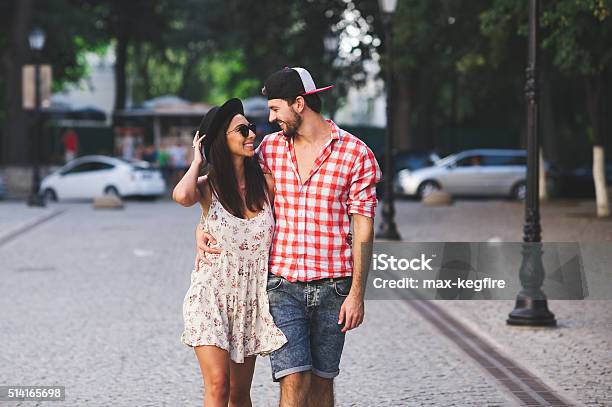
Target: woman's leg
[
  {"x": 241, "y": 376},
  {"x": 215, "y": 367}
]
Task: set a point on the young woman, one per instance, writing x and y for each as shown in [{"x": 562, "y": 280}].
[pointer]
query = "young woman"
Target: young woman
[{"x": 227, "y": 320}]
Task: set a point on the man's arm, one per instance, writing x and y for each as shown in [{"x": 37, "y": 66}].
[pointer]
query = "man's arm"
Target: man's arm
[
  {"x": 353, "y": 310},
  {"x": 362, "y": 207},
  {"x": 363, "y": 228},
  {"x": 202, "y": 240}
]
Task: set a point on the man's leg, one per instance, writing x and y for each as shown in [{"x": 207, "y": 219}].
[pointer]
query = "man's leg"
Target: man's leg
[
  {"x": 295, "y": 389},
  {"x": 327, "y": 341},
  {"x": 321, "y": 392},
  {"x": 291, "y": 364}
]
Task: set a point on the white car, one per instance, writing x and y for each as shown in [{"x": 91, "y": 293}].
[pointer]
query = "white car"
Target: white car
[
  {"x": 91, "y": 176},
  {"x": 473, "y": 172}
]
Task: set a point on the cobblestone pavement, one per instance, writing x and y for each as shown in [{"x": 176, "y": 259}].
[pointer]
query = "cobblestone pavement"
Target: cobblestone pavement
[
  {"x": 575, "y": 357},
  {"x": 92, "y": 300}
]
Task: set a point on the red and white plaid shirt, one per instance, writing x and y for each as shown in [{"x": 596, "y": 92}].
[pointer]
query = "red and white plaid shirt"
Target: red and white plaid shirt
[{"x": 313, "y": 217}]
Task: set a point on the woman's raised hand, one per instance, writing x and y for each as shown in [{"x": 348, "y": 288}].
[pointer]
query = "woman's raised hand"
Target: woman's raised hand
[{"x": 197, "y": 147}]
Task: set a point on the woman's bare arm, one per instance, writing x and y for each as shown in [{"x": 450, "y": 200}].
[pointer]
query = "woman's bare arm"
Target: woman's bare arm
[{"x": 186, "y": 192}]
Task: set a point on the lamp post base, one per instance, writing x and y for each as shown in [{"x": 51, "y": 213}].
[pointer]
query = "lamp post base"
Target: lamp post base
[
  {"x": 388, "y": 231},
  {"x": 529, "y": 312}
]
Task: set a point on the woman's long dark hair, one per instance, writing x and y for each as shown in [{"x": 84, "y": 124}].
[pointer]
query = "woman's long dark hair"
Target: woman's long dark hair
[{"x": 223, "y": 181}]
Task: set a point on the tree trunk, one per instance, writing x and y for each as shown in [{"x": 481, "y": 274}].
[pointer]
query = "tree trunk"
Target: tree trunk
[
  {"x": 15, "y": 145},
  {"x": 144, "y": 80},
  {"x": 593, "y": 96},
  {"x": 402, "y": 112},
  {"x": 550, "y": 142},
  {"x": 187, "y": 79},
  {"x": 423, "y": 139},
  {"x": 120, "y": 75}
]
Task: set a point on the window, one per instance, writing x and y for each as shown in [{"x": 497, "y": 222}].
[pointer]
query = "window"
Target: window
[
  {"x": 504, "y": 160},
  {"x": 469, "y": 161},
  {"x": 89, "y": 167}
]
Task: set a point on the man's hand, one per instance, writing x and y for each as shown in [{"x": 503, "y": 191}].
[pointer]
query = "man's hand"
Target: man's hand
[
  {"x": 203, "y": 239},
  {"x": 351, "y": 312}
]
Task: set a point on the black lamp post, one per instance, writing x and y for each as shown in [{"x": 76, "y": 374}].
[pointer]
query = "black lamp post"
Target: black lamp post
[
  {"x": 330, "y": 43},
  {"x": 37, "y": 42},
  {"x": 531, "y": 308},
  {"x": 387, "y": 228}
]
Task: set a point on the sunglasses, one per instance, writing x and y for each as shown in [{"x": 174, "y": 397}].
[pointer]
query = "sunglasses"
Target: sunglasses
[{"x": 244, "y": 129}]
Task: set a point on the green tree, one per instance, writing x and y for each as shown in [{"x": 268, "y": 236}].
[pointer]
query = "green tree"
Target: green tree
[
  {"x": 69, "y": 34},
  {"x": 215, "y": 49},
  {"x": 129, "y": 23},
  {"x": 579, "y": 34},
  {"x": 446, "y": 73},
  {"x": 575, "y": 39}
]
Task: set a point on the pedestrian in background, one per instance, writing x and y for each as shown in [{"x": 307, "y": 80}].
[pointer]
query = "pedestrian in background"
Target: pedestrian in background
[
  {"x": 70, "y": 140},
  {"x": 149, "y": 154},
  {"x": 163, "y": 161},
  {"x": 178, "y": 159}
]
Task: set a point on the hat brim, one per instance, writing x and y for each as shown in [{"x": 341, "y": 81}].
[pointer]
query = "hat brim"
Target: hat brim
[
  {"x": 227, "y": 111},
  {"x": 318, "y": 90}
]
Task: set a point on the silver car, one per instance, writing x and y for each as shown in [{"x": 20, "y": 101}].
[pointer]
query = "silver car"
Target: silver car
[{"x": 473, "y": 172}]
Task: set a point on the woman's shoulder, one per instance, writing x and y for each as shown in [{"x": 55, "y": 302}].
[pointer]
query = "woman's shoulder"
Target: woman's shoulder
[{"x": 269, "y": 180}]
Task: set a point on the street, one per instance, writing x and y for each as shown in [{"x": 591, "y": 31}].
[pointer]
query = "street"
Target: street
[{"x": 92, "y": 300}]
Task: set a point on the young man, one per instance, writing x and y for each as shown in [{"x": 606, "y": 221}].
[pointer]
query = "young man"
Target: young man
[{"x": 323, "y": 176}]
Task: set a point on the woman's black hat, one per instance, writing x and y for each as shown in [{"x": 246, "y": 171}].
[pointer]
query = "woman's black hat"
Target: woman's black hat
[{"x": 214, "y": 119}]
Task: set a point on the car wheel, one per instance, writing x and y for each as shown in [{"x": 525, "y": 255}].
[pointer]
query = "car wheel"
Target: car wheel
[
  {"x": 427, "y": 188},
  {"x": 49, "y": 195},
  {"x": 519, "y": 191},
  {"x": 112, "y": 191}
]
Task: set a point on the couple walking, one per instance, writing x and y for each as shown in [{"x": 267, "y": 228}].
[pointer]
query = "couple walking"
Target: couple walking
[{"x": 278, "y": 271}]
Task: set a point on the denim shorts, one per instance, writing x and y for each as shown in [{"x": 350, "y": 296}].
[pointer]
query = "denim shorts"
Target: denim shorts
[{"x": 307, "y": 313}]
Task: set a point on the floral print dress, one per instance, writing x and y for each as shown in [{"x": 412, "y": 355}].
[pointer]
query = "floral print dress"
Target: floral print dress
[{"x": 227, "y": 304}]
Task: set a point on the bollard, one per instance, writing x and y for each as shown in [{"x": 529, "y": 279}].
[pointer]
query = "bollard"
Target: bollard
[
  {"x": 437, "y": 198},
  {"x": 108, "y": 202}
]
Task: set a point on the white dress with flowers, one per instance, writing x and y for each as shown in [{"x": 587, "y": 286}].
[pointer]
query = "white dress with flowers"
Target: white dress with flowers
[{"x": 227, "y": 304}]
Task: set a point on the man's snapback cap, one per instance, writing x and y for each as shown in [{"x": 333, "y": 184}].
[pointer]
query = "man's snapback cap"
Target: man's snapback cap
[{"x": 289, "y": 83}]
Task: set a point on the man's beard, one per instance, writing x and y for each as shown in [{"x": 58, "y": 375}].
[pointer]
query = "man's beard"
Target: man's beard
[{"x": 292, "y": 125}]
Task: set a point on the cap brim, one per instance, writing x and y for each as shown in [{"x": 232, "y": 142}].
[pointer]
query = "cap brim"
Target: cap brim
[{"x": 318, "y": 90}]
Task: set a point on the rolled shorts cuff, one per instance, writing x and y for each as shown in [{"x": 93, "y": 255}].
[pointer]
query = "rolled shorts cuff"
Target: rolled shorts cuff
[
  {"x": 279, "y": 375},
  {"x": 325, "y": 375}
]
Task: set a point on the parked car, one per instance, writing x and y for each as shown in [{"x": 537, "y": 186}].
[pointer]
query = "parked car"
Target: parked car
[
  {"x": 473, "y": 172},
  {"x": 2, "y": 187},
  {"x": 405, "y": 159},
  {"x": 91, "y": 176},
  {"x": 577, "y": 182}
]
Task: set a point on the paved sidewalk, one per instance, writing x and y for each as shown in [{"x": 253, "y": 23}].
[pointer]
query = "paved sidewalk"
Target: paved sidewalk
[
  {"x": 576, "y": 357},
  {"x": 15, "y": 215},
  {"x": 93, "y": 300},
  {"x": 96, "y": 306}
]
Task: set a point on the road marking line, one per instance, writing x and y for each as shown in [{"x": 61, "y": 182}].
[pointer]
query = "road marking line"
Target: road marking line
[
  {"x": 28, "y": 226},
  {"x": 522, "y": 384}
]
